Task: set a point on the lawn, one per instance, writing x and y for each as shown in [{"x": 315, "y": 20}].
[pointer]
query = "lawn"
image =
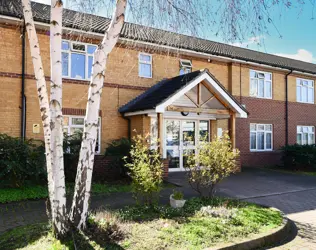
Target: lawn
[
  {"x": 39, "y": 191},
  {"x": 200, "y": 224}
]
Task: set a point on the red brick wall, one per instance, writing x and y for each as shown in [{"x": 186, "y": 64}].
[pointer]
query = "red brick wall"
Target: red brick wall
[{"x": 261, "y": 111}]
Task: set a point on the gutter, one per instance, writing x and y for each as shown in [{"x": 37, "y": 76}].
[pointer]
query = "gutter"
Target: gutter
[
  {"x": 177, "y": 50},
  {"x": 23, "y": 97},
  {"x": 287, "y": 109}
]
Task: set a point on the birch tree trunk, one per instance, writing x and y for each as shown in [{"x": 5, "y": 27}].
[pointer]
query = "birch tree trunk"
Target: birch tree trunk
[
  {"x": 59, "y": 219},
  {"x": 80, "y": 204},
  {"x": 41, "y": 90}
]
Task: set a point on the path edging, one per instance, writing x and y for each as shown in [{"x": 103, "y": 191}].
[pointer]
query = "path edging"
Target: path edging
[{"x": 262, "y": 240}]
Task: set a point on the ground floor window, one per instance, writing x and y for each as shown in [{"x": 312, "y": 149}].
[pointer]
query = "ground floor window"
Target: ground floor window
[
  {"x": 260, "y": 137},
  {"x": 75, "y": 124},
  {"x": 305, "y": 135}
]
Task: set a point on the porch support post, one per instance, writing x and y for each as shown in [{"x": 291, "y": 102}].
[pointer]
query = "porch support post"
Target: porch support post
[
  {"x": 233, "y": 129},
  {"x": 213, "y": 129},
  {"x": 160, "y": 133}
]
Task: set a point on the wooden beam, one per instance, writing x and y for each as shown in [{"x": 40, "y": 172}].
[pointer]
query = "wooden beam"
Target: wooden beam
[
  {"x": 191, "y": 100},
  {"x": 199, "y": 95},
  {"x": 198, "y": 110},
  {"x": 233, "y": 129},
  {"x": 160, "y": 133},
  {"x": 217, "y": 97},
  {"x": 209, "y": 99}
]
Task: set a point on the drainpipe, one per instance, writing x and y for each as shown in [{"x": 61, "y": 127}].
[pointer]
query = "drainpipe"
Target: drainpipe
[
  {"x": 287, "y": 109},
  {"x": 23, "y": 97}
]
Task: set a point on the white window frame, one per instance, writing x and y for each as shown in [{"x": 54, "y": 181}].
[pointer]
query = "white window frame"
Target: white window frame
[
  {"x": 300, "y": 83},
  {"x": 145, "y": 62},
  {"x": 70, "y": 125},
  {"x": 255, "y": 78},
  {"x": 184, "y": 67},
  {"x": 265, "y": 135},
  {"x": 70, "y": 51},
  {"x": 308, "y": 133}
]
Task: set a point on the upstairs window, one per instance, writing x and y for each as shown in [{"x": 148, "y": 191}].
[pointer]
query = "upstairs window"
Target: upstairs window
[
  {"x": 260, "y": 137},
  {"x": 305, "y": 135},
  {"x": 145, "y": 65},
  {"x": 74, "y": 125},
  {"x": 304, "y": 90},
  {"x": 77, "y": 60},
  {"x": 185, "y": 66},
  {"x": 260, "y": 84}
]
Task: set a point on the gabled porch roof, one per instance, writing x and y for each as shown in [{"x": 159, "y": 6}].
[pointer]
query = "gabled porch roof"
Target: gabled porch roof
[{"x": 160, "y": 97}]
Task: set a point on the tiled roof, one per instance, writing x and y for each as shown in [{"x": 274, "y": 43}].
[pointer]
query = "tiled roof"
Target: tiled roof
[
  {"x": 98, "y": 24},
  {"x": 164, "y": 89}
]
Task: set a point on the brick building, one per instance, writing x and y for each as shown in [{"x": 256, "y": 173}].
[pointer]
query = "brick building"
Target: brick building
[{"x": 162, "y": 83}]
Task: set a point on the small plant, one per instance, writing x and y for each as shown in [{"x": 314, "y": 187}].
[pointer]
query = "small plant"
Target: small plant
[
  {"x": 218, "y": 212},
  {"x": 213, "y": 162},
  {"x": 177, "y": 195},
  {"x": 146, "y": 171}
]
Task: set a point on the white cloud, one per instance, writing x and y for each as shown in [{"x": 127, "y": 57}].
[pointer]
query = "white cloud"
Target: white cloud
[
  {"x": 251, "y": 40},
  {"x": 301, "y": 54}
]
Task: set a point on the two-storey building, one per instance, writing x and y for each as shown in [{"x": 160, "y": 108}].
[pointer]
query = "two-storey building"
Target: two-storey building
[{"x": 175, "y": 87}]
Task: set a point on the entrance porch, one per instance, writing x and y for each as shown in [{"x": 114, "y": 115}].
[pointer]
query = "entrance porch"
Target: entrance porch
[{"x": 180, "y": 112}]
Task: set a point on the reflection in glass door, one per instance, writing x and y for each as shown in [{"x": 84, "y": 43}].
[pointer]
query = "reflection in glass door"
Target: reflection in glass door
[{"x": 172, "y": 140}]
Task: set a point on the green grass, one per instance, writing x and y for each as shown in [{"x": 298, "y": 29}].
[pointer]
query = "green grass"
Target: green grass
[
  {"x": 158, "y": 227},
  {"x": 289, "y": 171},
  {"x": 29, "y": 192}
]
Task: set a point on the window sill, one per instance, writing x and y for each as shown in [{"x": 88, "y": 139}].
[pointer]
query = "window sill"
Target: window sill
[
  {"x": 258, "y": 97},
  {"x": 306, "y": 102},
  {"x": 75, "y": 79},
  {"x": 147, "y": 77},
  {"x": 261, "y": 151}
]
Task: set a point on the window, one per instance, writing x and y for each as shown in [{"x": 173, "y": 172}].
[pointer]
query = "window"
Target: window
[
  {"x": 260, "y": 84},
  {"x": 304, "y": 90},
  {"x": 77, "y": 59},
  {"x": 145, "y": 65},
  {"x": 75, "y": 124},
  {"x": 260, "y": 137},
  {"x": 185, "y": 66},
  {"x": 305, "y": 135}
]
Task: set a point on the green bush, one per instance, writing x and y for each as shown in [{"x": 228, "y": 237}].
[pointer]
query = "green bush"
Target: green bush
[
  {"x": 145, "y": 170},
  {"x": 213, "y": 162},
  {"x": 299, "y": 156},
  {"x": 21, "y": 161},
  {"x": 118, "y": 149}
]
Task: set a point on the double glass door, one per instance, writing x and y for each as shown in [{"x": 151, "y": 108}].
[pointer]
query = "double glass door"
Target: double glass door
[{"x": 181, "y": 138}]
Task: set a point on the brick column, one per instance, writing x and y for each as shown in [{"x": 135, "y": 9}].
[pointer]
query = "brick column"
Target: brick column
[{"x": 165, "y": 168}]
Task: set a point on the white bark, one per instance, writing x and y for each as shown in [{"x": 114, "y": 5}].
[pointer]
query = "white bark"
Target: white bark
[
  {"x": 41, "y": 89},
  {"x": 56, "y": 119},
  {"x": 80, "y": 205}
]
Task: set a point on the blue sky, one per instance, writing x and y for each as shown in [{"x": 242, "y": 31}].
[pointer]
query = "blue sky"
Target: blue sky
[{"x": 295, "y": 25}]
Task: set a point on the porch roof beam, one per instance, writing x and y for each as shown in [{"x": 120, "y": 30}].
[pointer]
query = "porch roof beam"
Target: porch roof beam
[{"x": 198, "y": 110}]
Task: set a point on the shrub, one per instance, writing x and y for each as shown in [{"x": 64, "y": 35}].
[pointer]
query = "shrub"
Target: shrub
[
  {"x": 213, "y": 162},
  {"x": 146, "y": 171},
  {"x": 177, "y": 195},
  {"x": 118, "y": 149},
  {"x": 21, "y": 161},
  {"x": 299, "y": 156},
  {"x": 71, "y": 146}
]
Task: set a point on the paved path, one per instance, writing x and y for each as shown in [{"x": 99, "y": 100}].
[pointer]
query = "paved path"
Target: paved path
[{"x": 293, "y": 194}]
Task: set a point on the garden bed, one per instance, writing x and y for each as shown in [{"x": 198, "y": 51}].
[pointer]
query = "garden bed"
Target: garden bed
[{"x": 200, "y": 224}]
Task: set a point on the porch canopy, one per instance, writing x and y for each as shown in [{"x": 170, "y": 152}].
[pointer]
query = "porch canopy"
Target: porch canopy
[{"x": 196, "y": 95}]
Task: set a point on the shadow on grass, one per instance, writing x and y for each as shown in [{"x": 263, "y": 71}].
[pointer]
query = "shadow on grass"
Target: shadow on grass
[{"x": 39, "y": 236}]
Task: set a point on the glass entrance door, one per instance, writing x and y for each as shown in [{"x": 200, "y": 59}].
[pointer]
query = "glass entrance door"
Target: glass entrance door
[{"x": 181, "y": 138}]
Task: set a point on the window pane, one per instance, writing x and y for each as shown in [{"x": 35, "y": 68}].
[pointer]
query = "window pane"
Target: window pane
[
  {"x": 299, "y": 129},
  {"x": 204, "y": 133},
  {"x": 78, "y": 66},
  {"x": 304, "y": 94},
  {"x": 310, "y": 95},
  {"x": 65, "y": 63},
  {"x": 91, "y": 49},
  {"x": 77, "y": 131},
  {"x": 298, "y": 94},
  {"x": 90, "y": 62},
  {"x": 145, "y": 58},
  {"x": 65, "y": 121},
  {"x": 253, "y": 87},
  {"x": 188, "y": 128},
  {"x": 252, "y": 140},
  {"x": 77, "y": 121},
  {"x": 260, "y": 140},
  {"x": 305, "y": 138},
  {"x": 252, "y": 127},
  {"x": 173, "y": 158},
  {"x": 310, "y": 138},
  {"x": 65, "y": 45},
  {"x": 252, "y": 73},
  {"x": 268, "y": 127},
  {"x": 261, "y": 88},
  {"x": 267, "y": 76},
  {"x": 268, "y": 90},
  {"x": 305, "y": 129},
  {"x": 268, "y": 141},
  {"x": 299, "y": 139},
  {"x": 260, "y": 127},
  {"x": 80, "y": 47},
  {"x": 145, "y": 70},
  {"x": 172, "y": 133}
]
